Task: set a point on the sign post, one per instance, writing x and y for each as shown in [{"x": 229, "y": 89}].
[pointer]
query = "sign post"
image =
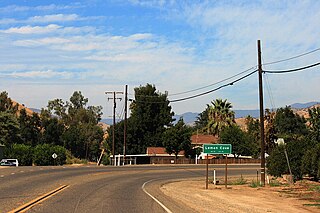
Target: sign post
[
  {"x": 217, "y": 149},
  {"x": 54, "y": 156}
]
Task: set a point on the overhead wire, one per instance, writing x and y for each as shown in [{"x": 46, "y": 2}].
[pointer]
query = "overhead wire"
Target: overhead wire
[
  {"x": 291, "y": 70},
  {"x": 268, "y": 87},
  {"x": 203, "y": 87},
  {"x": 213, "y": 90},
  {"x": 294, "y": 57},
  {"x": 218, "y": 82}
]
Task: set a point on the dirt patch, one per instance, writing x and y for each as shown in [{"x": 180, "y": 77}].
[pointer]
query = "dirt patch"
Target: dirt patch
[{"x": 244, "y": 198}]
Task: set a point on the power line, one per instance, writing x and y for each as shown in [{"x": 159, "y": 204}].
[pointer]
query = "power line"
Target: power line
[
  {"x": 294, "y": 57},
  {"x": 200, "y": 88},
  {"x": 210, "y": 85},
  {"x": 198, "y": 95},
  {"x": 213, "y": 90},
  {"x": 291, "y": 70}
]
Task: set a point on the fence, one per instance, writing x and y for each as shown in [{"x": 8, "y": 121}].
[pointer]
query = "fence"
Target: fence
[{"x": 204, "y": 161}]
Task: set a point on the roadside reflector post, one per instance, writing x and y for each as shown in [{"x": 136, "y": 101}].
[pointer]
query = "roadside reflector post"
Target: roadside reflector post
[
  {"x": 207, "y": 171},
  {"x": 226, "y": 173},
  {"x": 214, "y": 177}
]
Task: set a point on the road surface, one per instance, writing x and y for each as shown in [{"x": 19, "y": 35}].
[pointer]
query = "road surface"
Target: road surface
[{"x": 100, "y": 189}]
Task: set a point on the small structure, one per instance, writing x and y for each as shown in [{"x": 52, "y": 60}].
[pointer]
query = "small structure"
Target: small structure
[
  {"x": 199, "y": 139},
  {"x": 158, "y": 155}
]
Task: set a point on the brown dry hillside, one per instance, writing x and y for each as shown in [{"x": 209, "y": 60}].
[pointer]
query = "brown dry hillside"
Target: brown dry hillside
[
  {"x": 20, "y": 107},
  {"x": 304, "y": 112},
  {"x": 241, "y": 122}
]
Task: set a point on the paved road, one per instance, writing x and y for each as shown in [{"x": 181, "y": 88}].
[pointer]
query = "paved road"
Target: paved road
[{"x": 100, "y": 189}]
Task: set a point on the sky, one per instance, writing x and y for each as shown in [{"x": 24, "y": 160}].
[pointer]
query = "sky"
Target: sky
[{"x": 49, "y": 49}]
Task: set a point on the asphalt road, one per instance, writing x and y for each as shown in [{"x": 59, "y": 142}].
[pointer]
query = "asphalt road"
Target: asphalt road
[{"x": 101, "y": 189}]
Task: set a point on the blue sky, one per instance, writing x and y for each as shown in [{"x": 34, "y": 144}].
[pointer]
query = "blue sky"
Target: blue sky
[{"x": 51, "y": 48}]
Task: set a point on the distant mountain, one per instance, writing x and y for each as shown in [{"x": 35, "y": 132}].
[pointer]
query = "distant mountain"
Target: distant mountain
[
  {"x": 302, "y": 106},
  {"x": 36, "y": 110},
  {"x": 109, "y": 121},
  {"x": 242, "y": 113},
  {"x": 190, "y": 117}
]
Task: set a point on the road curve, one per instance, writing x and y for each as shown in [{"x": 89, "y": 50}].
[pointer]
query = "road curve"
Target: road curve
[{"x": 100, "y": 189}]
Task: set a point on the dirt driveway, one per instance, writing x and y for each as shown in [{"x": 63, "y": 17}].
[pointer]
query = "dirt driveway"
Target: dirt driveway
[{"x": 237, "y": 198}]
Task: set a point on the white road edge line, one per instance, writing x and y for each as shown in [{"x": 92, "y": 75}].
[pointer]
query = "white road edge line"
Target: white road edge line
[{"x": 155, "y": 199}]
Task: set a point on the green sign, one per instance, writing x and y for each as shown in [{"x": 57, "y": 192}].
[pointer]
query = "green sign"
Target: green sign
[{"x": 217, "y": 148}]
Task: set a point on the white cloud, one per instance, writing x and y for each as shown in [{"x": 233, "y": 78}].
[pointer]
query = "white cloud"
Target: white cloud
[
  {"x": 18, "y": 8},
  {"x": 32, "y": 29},
  {"x": 53, "y": 18},
  {"x": 41, "y": 74}
]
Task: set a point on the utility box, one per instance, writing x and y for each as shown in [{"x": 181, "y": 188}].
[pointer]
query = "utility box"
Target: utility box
[{"x": 1, "y": 151}]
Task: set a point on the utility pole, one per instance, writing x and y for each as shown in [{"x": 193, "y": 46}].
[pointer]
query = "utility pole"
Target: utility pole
[
  {"x": 263, "y": 161},
  {"x": 125, "y": 123},
  {"x": 114, "y": 120}
]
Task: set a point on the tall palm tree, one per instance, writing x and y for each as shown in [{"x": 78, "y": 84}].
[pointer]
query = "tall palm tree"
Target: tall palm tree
[{"x": 220, "y": 115}]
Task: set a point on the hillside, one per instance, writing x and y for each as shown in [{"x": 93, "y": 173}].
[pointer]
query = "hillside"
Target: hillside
[
  {"x": 299, "y": 108},
  {"x": 21, "y": 106}
]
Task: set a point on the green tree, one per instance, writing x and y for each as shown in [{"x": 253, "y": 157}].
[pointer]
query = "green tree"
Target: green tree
[
  {"x": 6, "y": 104},
  {"x": 288, "y": 124},
  {"x": 52, "y": 131},
  {"x": 9, "y": 129},
  {"x": 311, "y": 162},
  {"x": 314, "y": 120},
  {"x": 220, "y": 116},
  {"x": 177, "y": 138},
  {"x": 242, "y": 143},
  {"x": 150, "y": 115},
  {"x": 30, "y": 127},
  {"x": 75, "y": 126},
  {"x": 270, "y": 131},
  {"x": 202, "y": 119},
  {"x": 277, "y": 163}
]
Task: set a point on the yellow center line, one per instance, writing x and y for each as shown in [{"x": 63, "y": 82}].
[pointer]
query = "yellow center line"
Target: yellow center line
[{"x": 38, "y": 200}]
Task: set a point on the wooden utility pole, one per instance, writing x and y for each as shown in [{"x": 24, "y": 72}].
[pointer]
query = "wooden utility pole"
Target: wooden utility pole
[
  {"x": 263, "y": 161},
  {"x": 114, "y": 121},
  {"x": 125, "y": 123}
]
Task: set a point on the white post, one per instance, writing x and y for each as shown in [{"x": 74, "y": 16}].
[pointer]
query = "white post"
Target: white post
[
  {"x": 214, "y": 177},
  {"x": 119, "y": 158},
  {"x": 196, "y": 159}
]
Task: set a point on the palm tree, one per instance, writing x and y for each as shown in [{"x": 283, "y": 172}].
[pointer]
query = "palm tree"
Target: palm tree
[{"x": 220, "y": 115}]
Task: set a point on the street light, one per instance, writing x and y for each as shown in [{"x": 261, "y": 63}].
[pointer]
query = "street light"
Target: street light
[{"x": 281, "y": 142}]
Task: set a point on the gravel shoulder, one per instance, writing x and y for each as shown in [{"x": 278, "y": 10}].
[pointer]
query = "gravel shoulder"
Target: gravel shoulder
[{"x": 236, "y": 198}]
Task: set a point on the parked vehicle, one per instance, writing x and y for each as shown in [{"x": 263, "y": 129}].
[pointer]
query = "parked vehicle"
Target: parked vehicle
[{"x": 9, "y": 162}]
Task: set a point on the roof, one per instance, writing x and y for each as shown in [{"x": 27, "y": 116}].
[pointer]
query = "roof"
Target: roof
[
  {"x": 204, "y": 139},
  {"x": 160, "y": 151}
]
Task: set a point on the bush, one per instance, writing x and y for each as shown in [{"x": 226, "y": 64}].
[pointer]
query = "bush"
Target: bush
[
  {"x": 73, "y": 160},
  {"x": 21, "y": 152},
  {"x": 43, "y": 155},
  {"x": 277, "y": 163},
  {"x": 105, "y": 160},
  {"x": 311, "y": 162}
]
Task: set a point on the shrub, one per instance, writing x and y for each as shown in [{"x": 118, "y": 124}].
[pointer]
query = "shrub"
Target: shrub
[
  {"x": 277, "y": 163},
  {"x": 42, "y": 155},
  {"x": 311, "y": 162},
  {"x": 21, "y": 152},
  {"x": 255, "y": 184},
  {"x": 70, "y": 159}
]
